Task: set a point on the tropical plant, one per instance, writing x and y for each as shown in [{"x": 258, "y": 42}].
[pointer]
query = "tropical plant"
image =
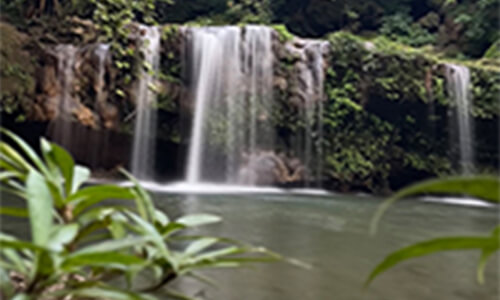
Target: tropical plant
[
  {"x": 482, "y": 187},
  {"x": 84, "y": 245},
  {"x": 400, "y": 27}
]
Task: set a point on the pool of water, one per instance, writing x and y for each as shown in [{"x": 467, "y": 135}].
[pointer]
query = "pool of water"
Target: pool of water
[{"x": 330, "y": 233}]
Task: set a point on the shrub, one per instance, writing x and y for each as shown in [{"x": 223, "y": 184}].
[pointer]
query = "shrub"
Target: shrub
[{"x": 82, "y": 244}]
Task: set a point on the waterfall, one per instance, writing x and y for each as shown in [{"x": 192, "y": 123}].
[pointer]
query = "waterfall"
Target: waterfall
[
  {"x": 458, "y": 84},
  {"x": 311, "y": 75},
  {"x": 319, "y": 50},
  {"x": 60, "y": 129},
  {"x": 101, "y": 52},
  {"x": 231, "y": 73},
  {"x": 66, "y": 57},
  {"x": 143, "y": 150}
]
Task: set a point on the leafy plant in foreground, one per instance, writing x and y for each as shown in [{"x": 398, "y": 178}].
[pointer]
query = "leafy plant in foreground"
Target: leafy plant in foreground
[
  {"x": 84, "y": 246},
  {"x": 483, "y": 187}
]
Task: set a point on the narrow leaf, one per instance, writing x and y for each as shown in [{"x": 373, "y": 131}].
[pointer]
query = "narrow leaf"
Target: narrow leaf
[
  {"x": 149, "y": 230},
  {"x": 30, "y": 153},
  {"x": 429, "y": 247},
  {"x": 39, "y": 206},
  {"x": 109, "y": 293},
  {"x": 114, "y": 245},
  {"x": 199, "y": 245},
  {"x": 144, "y": 203},
  {"x": 101, "y": 259},
  {"x": 14, "y": 212},
  {"x": 198, "y": 220},
  {"x": 92, "y": 195},
  {"x": 65, "y": 163},
  {"x": 482, "y": 187}
]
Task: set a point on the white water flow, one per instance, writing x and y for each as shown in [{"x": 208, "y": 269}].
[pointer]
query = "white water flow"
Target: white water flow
[
  {"x": 143, "y": 151},
  {"x": 231, "y": 72},
  {"x": 102, "y": 52},
  {"x": 61, "y": 129},
  {"x": 313, "y": 78},
  {"x": 66, "y": 56},
  {"x": 458, "y": 83}
]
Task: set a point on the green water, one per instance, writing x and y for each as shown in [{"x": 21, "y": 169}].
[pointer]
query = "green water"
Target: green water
[{"x": 331, "y": 234}]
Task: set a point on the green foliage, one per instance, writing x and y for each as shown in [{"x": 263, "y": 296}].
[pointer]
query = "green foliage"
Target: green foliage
[
  {"x": 485, "y": 88},
  {"x": 82, "y": 243},
  {"x": 283, "y": 33},
  {"x": 114, "y": 19},
  {"x": 476, "y": 19},
  {"x": 400, "y": 27},
  {"x": 248, "y": 11},
  {"x": 367, "y": 80},
  {"x": 483, "y": 187},
  {"x": 493, "y": 51}
]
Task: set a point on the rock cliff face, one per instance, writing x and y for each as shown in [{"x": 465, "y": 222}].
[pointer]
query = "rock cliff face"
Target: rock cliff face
[{"x": 382, "y": 110}]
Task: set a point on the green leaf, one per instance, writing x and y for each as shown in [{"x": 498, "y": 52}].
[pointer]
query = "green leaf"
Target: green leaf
[
  {"x": 144, "y": 203},
  {"x": 6, "y": 286},
  {"x": 99, "y": 213},
  {"x": 14, "y": 257},
  {"x": 113, "y": 260},
  {"x": 161, "y": 218},
  {"x": 14, "y": 212},
  {"x": 62, "y": 235},
  {"x": 432, "y": 246},
  {"x": 39, "y": 207},
  {"x": 46, "y": 149},
  {"x": 109, "y": 293},
  {"x": 198, "y": 220},
  {"x": 13, "y": 158},
  {"x": 482, "y": 187},
  {"x": 7, "y": 241},
  {"x": 9, "y": 175},
  {"x": 80, "y": 175},
  {"x": 65, "y": 163},
  {"x": 199, "y": 245},
  {"x": 150, "y": 231},
  {"x": 30, "y": 153},
  {"x": 486, "y": 254},
  {"x": 92, "y": 195},
  {"x": 44, "y": 265},
  {"x": 114, "y": 245},
  {"x": 213, "y": 255},
  {"x": 57, "y": 193}
]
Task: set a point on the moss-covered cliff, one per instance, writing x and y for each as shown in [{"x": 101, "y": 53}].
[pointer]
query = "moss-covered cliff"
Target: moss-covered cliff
[{"x": 387, "y": 117}]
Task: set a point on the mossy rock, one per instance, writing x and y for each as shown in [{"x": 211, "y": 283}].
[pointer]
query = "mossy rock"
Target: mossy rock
[{"x": 17, "y": 69}]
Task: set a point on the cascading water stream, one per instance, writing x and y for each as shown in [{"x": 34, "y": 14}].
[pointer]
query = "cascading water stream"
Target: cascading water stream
[
  {"x": 63, "y": 102},
  {"x": 313, "y": 77},
  {"x": 231, "y": 71},
  {"x": 143, "y": 151},
  {"x": 458, "y": 84},
  {"x": 101, "y": 52}
]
